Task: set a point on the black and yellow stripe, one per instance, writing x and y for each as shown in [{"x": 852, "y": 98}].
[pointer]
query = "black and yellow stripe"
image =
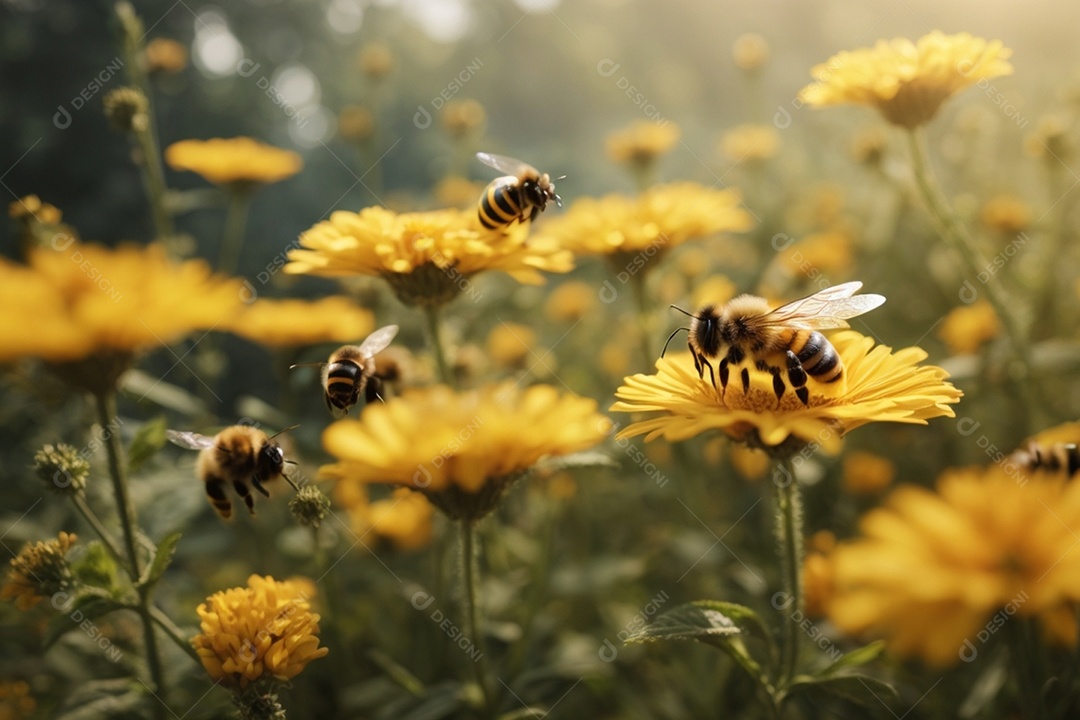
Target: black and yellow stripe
[
  {"x": 817, "y": 355},
  {"x": 501, "y": 203},
  {"x": 342, "y": 384}
]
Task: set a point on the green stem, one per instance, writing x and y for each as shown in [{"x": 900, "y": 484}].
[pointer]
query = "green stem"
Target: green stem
[
  {"x": 431, "y": 312},
  {"x": 99, "y": 527},
  {"x": 232, "y": 241},
  {"x": 1028, "y": 666},
  {"x": 106, "y": 411},
  {"x": 469, "y": 574},
  {"x": 173, "y": 632},
  {"x": 789, "y": 540},
  {"x": 637, "y": 283}
]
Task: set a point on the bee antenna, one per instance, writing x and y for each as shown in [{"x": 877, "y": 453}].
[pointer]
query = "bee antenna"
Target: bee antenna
[
  {"x": 284, "y": 430},
  {"x": 292, "y": 483},
  {"x": 670, "y": 337},
  {"x": 676, "y": 307},
  {"x": 293, "y": 367}
]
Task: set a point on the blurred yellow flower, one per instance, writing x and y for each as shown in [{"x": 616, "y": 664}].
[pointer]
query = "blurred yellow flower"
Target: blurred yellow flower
[
  {"x": 31, "y": 207},
  {"x": 376, "y": 60},
  {"x": 571, "y": 301},
  {"x": 510, "y": 344},
  {"x": 404, "y": 519},
  {"x": 868, "y": 147},
  {"x": 750, "y": 51},
  {"x": 662, "y": 217},
  {"x": 163, "y": 55},
  {"x": 866, "y": 473},
  {"x": 1065, "y": 433},
  {"x": 641, "y": 142},
  {"x": 982, "y": 543},
  {"x": 1006, "y": 214},
  {"x": 967, "y": 327},
  {"x": 78, "y": 299},
  {"x": 426, "y": 257},
  {"x": 750, "y": 463},
  {"x": 715, "y": 290},
  {"x": 286, "y": 323},
  {"x": 39, "y": 571},
  {"x": 878, "y": 386},
  {"x": 823, "y": 253},
  {"x": 263, "y": 631},
  {"x": 749, "y": 143},
  {"x": 907, "y": 81},
  {"x": 614, "y": 358},
  {"x": 455, "y": 191},
  {"x": 356, "y": 123},
  {"x": 817, "y": 573},
  {"x": 16, "y": 702},
  {"x": 239, "y": 161},
  {"x": 461, "y": 117},
  {"x": 461, "y": 449}
]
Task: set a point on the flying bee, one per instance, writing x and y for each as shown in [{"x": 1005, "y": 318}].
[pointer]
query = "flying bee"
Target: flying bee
[
  {"x": 784, "y": 339},
  {"x": 239, "y": 455},
  {"x": 350, "y": 371},
  {"x": 521, "y": 195},
  {"x": 1049, "y": 456}
]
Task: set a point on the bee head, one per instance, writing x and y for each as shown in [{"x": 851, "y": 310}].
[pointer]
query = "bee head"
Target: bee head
[
  {"x": 271, "y": 460},
  {"x": 705, "y": 331}
]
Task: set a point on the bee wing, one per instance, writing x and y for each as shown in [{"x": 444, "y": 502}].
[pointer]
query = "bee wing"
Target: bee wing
[
  {"x": 826, "y": 309},
  {"x": 508, "y": 165},
  {"x": 377, "y": 341},
  {"x": 189, "y": 440}
]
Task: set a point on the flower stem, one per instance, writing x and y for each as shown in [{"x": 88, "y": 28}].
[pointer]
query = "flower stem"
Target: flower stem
[
  {"x": 232, "y": 241},
  {"x": 469, "y": 574},
  {"x": 106, "y": 411},
  {"x": 789, "y": 541},
  {"x": 1028, "y": 666},
  {"x": 99, "y": 527},
  {"x": 173, "y": 632},
  {"x": 637, "y": 282},
  {"x": 431, "y": 312}
]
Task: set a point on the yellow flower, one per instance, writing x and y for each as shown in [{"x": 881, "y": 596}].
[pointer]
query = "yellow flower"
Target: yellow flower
[
  {"x": 239, "y": 161},
  {"x": 877, "y": 386},
  {"x": 39, "y": 571},
  {"x": 461, "y": 449},
  {"x": 641, "y": 142},
  {"x": 750, "y": 463},
  {"x": 749, "y": 143},
  {"x": 907, "y": 81},
  {"x": 163, "y": 55},
  {"x": 426, "y": 257},
  {"x": 817, "y": 573},
  {"x": 78, "y": 300},
  {"x": 866, "y": 472},
  {"x": 16, "y": 702},
  {"x": 376, "y": 60},
  {"x": 31, "y": 207},
  {"x": 1006, "y": 214},
  {"x": 715, "y": 290},
  {"x": 930, "y": 569},
  {"x": 285, "y": 323},
  {"x": 510, "y": 344},
  {"x": 1066, "y": 433},
  {"x": 828, "y": 253},
  {"x": 264, "y": 631},
  {"x": 457, "y": 192},
  {"x": 405, "y": 519},
  {"x": 967, "y": 327},
  {"x": 461, "y": 117},
  {"x": 750, "y": 51},
  {"x": 356, "y": 123},
  {"x": 570, "y": 301},
  {"x": 662, "y": 217}
]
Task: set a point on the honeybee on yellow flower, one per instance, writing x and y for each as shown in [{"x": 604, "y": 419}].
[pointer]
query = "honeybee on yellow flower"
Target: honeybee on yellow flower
[
  {"x": 520, "y": 195},
  {"x": 784, "y": 340}
]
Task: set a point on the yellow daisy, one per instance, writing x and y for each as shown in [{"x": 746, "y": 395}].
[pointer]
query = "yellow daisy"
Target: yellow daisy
[
  {"x": 405, "y": 518},
  {"x": 356, "y": 123},
  {"x": 426, "y": 257},
  {"x": 263, "y": 631},
  {"x": 1006, "y": 214},
  {"x": 461, "y": 117},
  {"x": 641, "y": 142},
  {"x": 907, "y": 81},
  {"x": 982, "y": 544},
  {"x": 750, "y": 51},
  {"x": 461, "y": 449},
  {"x": 967, "y": 327},
  {"x": 286, "y": 323},
  {"x": 866, "y": 473},
  {"x": 39, "y": 571},
  {"x": 878, "y": 386},
  {"x": 662, "y": 217},
  {"x": 749, "y": 143},
  {"x": 238, "y": 161}
]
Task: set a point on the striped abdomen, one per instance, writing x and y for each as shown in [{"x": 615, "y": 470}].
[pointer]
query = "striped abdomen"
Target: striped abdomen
[
  {"x": 1055, "y": 457},
  {"x": 817, "y": 355},
  {"x": 502, "y": 203},
  {"x": 344, "y": 379}
]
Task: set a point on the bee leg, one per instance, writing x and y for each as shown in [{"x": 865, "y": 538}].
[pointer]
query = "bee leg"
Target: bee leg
[
  {"x": 215, "y": 491},
  {"x": 256, "y": 481},
  {"x": 797, "y": 377},
  {"x": 712, "y": 376},
  {"x": 242, "y": 490},
  {"x": 725, "y": 373},
  {"x": 777, "y": 382},
  {"x": 745, "y": 380}
]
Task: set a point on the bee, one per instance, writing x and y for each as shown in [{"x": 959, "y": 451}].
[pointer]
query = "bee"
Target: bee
[
  {"x": 1053, "y": 456},
  {"x": 785, "y": 339},
  {"x": 521, "y": 195},
  {"x": 239, "y": 455},
  {"x": 350, "y": 371}
]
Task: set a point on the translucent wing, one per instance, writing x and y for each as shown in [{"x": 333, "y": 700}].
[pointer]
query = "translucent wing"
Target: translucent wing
[
  {"x": 826, "y": 309},
  {"x": 378, "y": 340},
  {"x": 189, "y": 440},
  {"x": 506, "y": 164}
]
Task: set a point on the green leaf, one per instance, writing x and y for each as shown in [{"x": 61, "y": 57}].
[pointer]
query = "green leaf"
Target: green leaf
[
  {"x": 856, "y": 658},
  {"x": 576, "y": 460},
  {"x": 86, "y": 607},
  {"x": 162, "y": 557},
  {"x": 687, "y": 622},
  {"x": 96, "y": 567},
  {"x": 147, "y": 441},
  {"x": 740, "y": 614},
  {"x": 857, "y": 688}
]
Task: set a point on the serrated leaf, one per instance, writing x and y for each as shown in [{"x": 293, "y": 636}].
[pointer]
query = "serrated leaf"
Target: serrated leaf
[
  {"x": 687, "y": 622},
  {"x": 96, "y": 567},
  {"x": 857, "y": 688},
  {"x": 856, "y": 658},
  {"x": 739, "y": 614},
  {"x": 163, "y": 555},
  {"x": 147, "y": 441},
  {"x": 87, "y": 607}
]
